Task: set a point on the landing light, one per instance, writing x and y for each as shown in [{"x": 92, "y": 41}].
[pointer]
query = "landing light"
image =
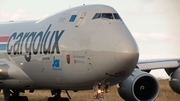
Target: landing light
[
  {"x": 99, "y": 91},
  {"x": 0, "y": 70},
  {"x": 22, "y": 64}
]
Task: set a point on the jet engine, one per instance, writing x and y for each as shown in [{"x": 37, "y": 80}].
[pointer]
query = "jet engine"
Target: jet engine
[
  {"x": 175, "y": 79},
  {"x": 4, "y": 70},
  {"x": 139, "y": 86}
]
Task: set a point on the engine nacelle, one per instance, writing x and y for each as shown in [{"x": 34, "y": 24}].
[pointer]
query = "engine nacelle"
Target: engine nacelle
[
  {"x": 139, "y": 86},
  {"x": 175, "y": 81}
]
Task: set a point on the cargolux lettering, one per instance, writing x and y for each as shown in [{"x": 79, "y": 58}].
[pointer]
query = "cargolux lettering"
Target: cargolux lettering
[{"x": 34, "y": 43}]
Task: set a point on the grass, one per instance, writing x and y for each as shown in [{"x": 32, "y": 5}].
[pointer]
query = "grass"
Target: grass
[{"x": 166, "y": 94}]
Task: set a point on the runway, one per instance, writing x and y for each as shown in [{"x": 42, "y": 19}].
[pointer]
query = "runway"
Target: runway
[{"x": 166, "y": 94}]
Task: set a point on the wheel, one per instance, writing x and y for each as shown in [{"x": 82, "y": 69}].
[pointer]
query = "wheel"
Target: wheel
[
  {"x": 64, "y": 99},
  {"x": 101, "y": 99},
  {"x": 23, "y": 98},
  {"x": 67, "y": 99},
  {"x": 51, "y": 99},
  {"x": 11, "y": 99}
]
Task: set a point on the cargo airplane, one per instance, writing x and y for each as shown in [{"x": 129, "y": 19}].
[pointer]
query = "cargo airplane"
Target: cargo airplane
[{"x": 82, "y": 48}]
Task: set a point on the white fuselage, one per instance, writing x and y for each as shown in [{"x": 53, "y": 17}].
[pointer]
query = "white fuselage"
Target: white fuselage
[{"x": 68, "y": 50}]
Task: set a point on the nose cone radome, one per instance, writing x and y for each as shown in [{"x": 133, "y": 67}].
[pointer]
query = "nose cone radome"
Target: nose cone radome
[{"x": 127, "y": 54}]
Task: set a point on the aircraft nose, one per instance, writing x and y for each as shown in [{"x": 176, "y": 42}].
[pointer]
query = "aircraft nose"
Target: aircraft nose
[{"x": 127, "y": 54}]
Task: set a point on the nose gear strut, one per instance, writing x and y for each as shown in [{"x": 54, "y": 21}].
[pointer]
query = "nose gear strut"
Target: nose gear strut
[{"x": 99, "y": 91}]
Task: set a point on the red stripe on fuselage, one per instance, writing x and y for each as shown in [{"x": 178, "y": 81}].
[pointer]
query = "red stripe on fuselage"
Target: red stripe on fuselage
[{"x": 4, "y": 38}]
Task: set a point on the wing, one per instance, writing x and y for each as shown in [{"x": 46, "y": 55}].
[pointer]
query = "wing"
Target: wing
[
  {"x": 171, "y": 66},
  {"x": 158, "y": 64}
]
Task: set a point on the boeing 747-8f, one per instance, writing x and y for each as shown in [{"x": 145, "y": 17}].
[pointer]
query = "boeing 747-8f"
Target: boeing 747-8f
[{"x": 82, "y": 48}]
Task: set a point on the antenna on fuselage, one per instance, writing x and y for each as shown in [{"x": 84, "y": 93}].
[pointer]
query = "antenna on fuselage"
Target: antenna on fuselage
[{"x": 11, "y": 20}]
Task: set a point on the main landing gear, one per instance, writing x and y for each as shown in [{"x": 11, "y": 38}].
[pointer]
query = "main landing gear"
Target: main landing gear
[
  {"x": 13, "y": 95},
  {"x": 57, "y": 96},
  {"x": 99, "y": 90}
]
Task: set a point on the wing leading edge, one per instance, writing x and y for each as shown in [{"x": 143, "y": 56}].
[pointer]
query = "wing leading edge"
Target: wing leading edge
[
  {"x": 171, "y": 66},
  {"x": 158, "y": 64}
]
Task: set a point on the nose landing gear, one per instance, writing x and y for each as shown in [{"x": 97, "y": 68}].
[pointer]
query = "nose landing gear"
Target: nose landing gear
[{"x": 99, "y": 91}]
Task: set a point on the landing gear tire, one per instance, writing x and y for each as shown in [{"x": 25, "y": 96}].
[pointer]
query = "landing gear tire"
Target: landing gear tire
[
  {"x": 51, "y": 99},
  {"x": 11, "y": 98},
  {"x": 55, "y": 99},
  {"x": 13, "y": 95},
  {"x": 57, "y": 96},
  {"x": 64, "y": 99},
  {"x": 19, "y": 98},
  {"x": 23, "y": 98}
]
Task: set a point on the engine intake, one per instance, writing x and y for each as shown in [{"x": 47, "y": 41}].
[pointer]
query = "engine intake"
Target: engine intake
[
  {"x": 139, "y": 86},
  {"x": 174, "y": 82}
]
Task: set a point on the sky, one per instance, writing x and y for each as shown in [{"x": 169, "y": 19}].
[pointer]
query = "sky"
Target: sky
[{"x": 155, "y": 24}]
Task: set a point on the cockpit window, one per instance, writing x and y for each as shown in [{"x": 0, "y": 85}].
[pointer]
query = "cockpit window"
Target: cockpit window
[
  {"x": 97, "y": 15},
  {"x": 116, "y": 16},
  {"x": 107, "y": 15}
]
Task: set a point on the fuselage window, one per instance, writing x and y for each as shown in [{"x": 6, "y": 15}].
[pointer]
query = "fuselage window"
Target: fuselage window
[
  {"x": 116, "y": 16},
  {"x": 107, "y": 15},
  {"x": 97, "y": 15}
]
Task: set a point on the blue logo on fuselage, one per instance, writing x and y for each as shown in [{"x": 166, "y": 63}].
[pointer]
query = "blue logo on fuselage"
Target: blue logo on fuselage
[
  {"x": 56, "y": 64},
  {"x": 34, "y": 43}
]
